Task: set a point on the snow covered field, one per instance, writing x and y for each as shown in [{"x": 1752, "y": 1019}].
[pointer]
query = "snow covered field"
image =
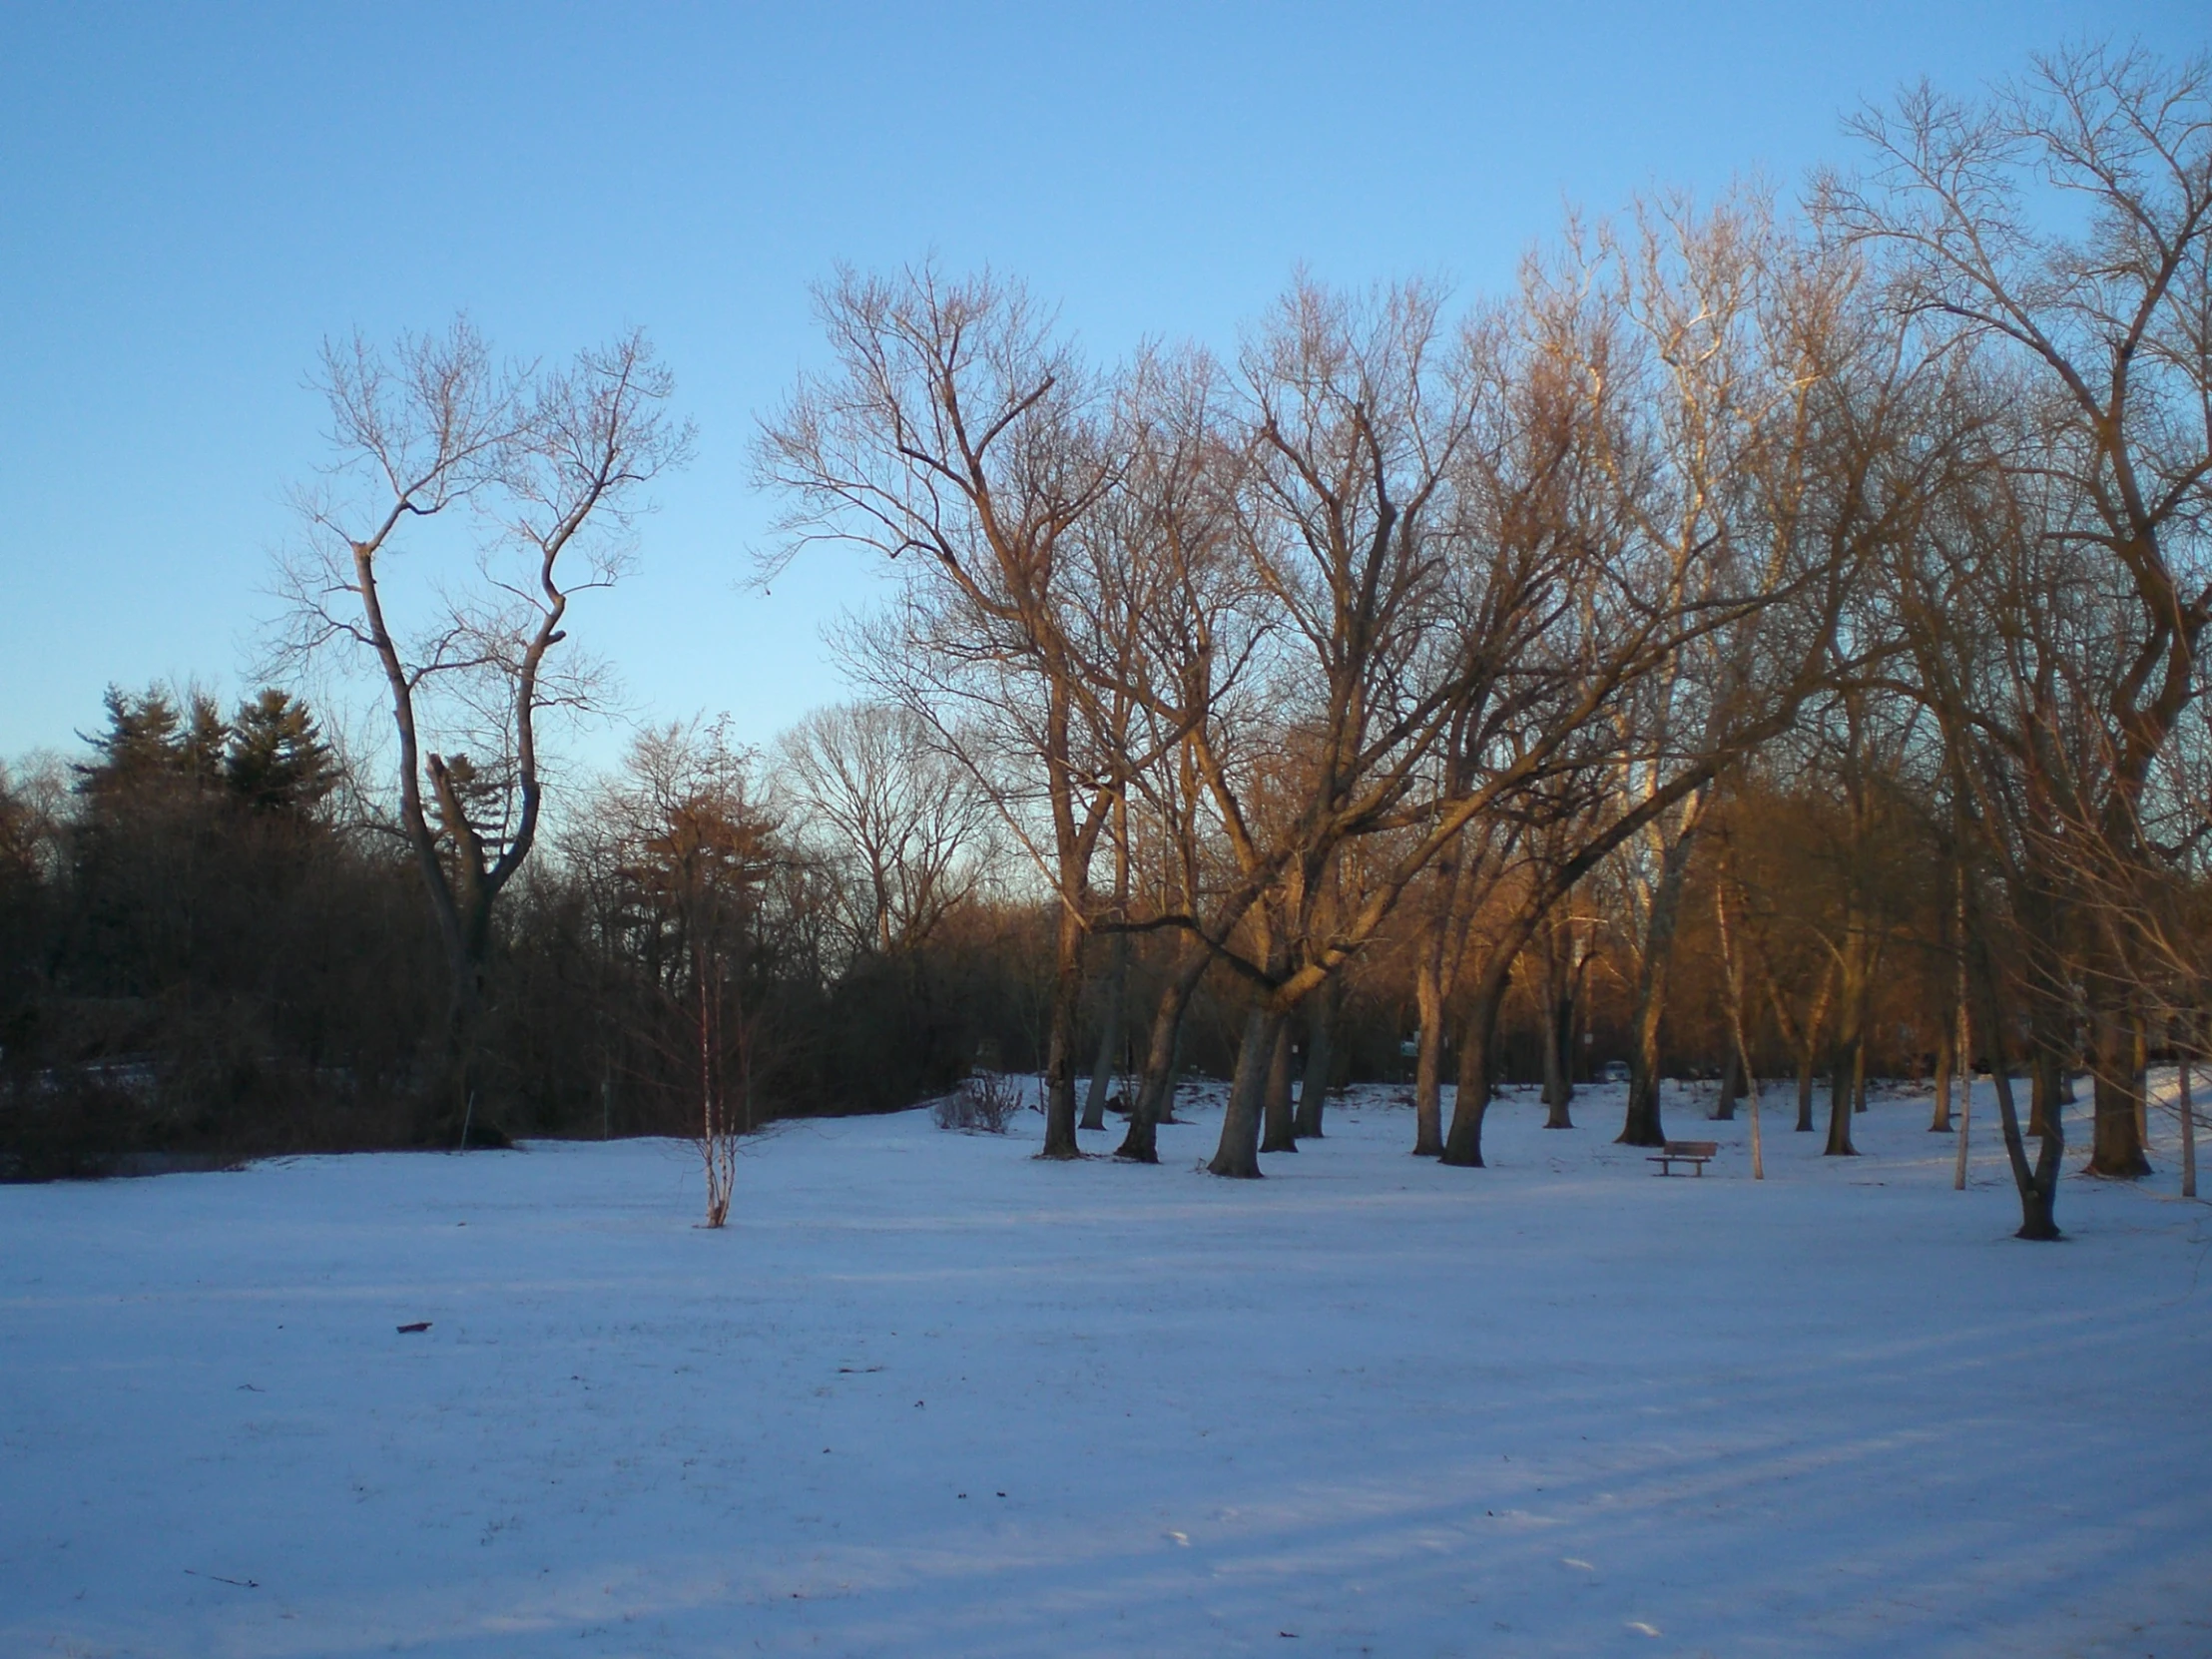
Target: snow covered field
[{"x": 930, "y": 1397}]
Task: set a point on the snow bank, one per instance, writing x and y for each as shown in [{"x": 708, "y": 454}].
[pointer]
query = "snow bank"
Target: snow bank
[{"x": 927, "y": 1395}]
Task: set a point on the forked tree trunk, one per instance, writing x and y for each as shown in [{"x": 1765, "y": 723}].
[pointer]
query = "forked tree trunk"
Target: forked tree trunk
[
  {"x": 1238, "y": 1155},
  {"x": 1312, "y": 1090},
  {"x": 2037, "y": 1194},
  {"x": 1859, "y": 1077},
  {"x": 2037, "y": 1185}
]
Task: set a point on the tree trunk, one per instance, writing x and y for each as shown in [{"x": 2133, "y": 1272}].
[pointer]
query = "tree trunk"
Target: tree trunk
[
  {"x": 454, "y": 1110},
  {"x": 1966, "y": 1118},
  {"x": 1155, "y": 1102},
  {"x": 2116, "y": 1144},
  {"x": 2188, "y": 1132},
  {"x": 1281, "y": 1135},
  {"x": 2141, "y": 1071},
  {"x": 1558, "y": 1063},
  {"x": 1962, "y": 1042},
  {"x": 1238, "y": 1155},
  {"x": 2037, "y": 1187},
  {"x": 1809, "y": 1044},
  {"x": 1641, "y": 1125},
  {"x": 1059, "y": 1066},
  {"x": 1547, "y": 1039},
  {"x": 1109, "y": 1045},
  {"x": 1313, "y": 1091},
  {"x": 2042, "y": 1088},
  {"x": 1838, "y": 1104},
  {"x": 1428, "y": 994},
  {"x": 1471, "y": 1099},
  {"x": 1724, "y": 1107},
  {"x": 1739, "y": 1051},
  {"x": 1940, "y": 1124},
  {"x": 1848, "y": 1059}
]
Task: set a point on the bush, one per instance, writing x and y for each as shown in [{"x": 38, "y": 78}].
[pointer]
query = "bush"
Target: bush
[{"x": 985, "y": 1102}]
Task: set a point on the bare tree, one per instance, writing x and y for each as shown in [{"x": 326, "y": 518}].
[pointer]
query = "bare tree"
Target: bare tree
[
  {"x": 695, "y": 853},
  {"x": 957, "y": 437},
  {"x": 2100, "y": 320},
  {"x": 1734, "y": 406},
  {"x": 550, "y": 466},
  {"x": 905, "y": 819},
  {"x": 1733, "y": 987}
]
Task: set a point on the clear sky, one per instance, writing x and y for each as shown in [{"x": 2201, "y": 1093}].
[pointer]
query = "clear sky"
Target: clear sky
[{"x": 192, "y": 198}]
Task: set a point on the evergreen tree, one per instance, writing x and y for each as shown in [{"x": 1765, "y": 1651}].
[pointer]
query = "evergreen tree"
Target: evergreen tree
[
  {"x": 277, "y": 759},
  {"x": 141, "y": 742},
  {"x": 199, "y": 751}
]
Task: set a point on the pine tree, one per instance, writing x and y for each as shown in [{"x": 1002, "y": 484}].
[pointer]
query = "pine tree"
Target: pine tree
[{"x": 276, "y": 759}]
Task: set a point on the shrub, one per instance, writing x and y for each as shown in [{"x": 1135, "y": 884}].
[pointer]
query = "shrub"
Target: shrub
[{"x": 985, "y": 1102}]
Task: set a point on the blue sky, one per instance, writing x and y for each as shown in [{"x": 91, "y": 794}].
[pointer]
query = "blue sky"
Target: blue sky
[{"x": 193, "y": 198}]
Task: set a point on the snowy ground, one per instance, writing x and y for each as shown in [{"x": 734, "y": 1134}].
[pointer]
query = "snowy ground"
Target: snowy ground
[{"x": 927, "y": 1395}]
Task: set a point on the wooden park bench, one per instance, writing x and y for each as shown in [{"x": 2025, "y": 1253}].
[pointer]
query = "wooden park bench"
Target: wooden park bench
[{"x": 1693, "y": 1153}]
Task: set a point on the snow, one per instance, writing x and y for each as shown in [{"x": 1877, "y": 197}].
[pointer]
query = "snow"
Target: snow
[{"x": 929, "y": 1395}]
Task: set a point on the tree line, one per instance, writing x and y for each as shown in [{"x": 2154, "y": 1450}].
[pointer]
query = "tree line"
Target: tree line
[{"x": 1766, "y": 640}]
